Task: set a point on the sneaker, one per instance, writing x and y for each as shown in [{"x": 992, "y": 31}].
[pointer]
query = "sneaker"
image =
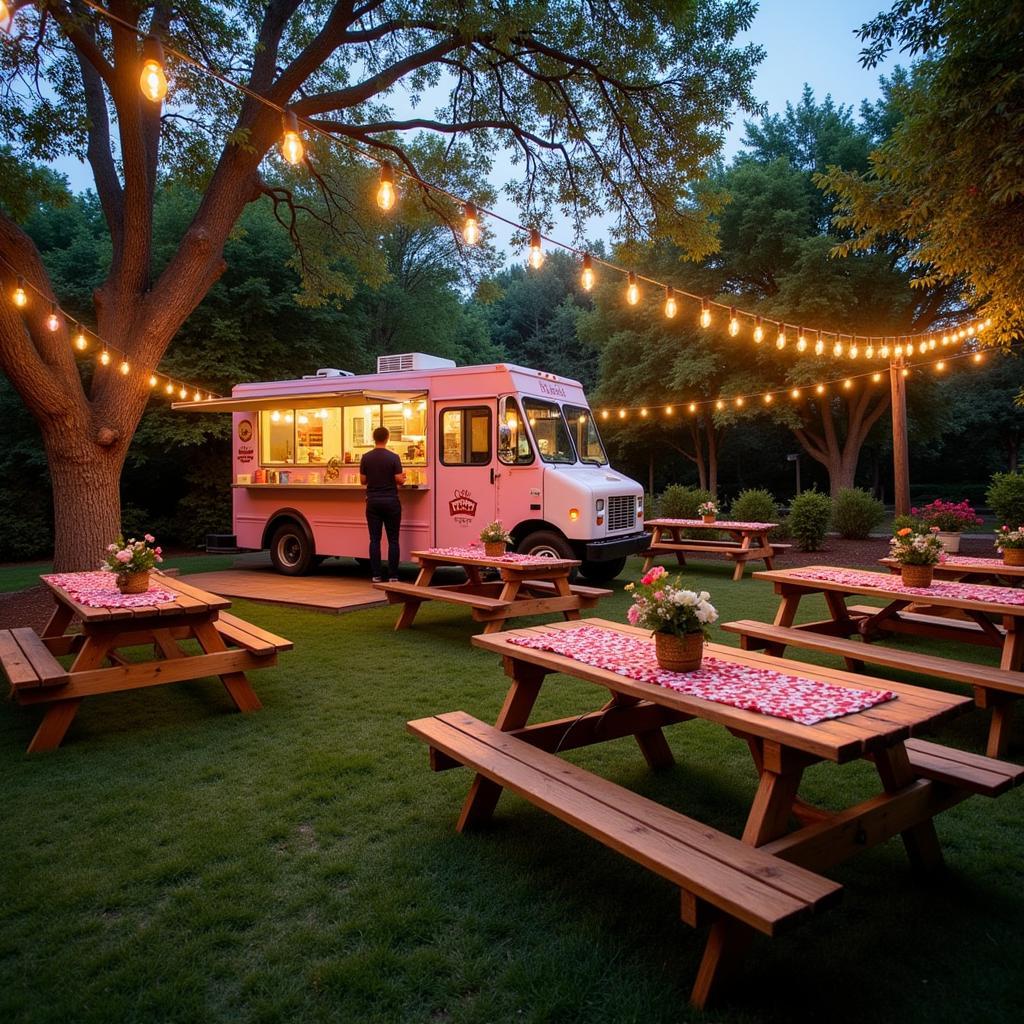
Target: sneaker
[{"x": 378, "y": 579}]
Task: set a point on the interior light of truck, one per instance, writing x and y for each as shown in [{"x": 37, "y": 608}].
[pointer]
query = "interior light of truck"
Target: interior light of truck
[
  {"x": 303, "y": 418},
  {"x": 275, "y": 417},
  {"x": 288, "y": 417},
  {"x": 422, "y": 406},
  {"x": 407, "y": 412},
  {"x": 574, "y": 514}
]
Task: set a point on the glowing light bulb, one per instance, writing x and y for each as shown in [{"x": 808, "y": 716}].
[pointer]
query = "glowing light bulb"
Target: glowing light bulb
[
  {"x": 671, "y": 307},
  {"x": 885, "y": 351},
  {"x": 819, "y": 345},
  {"x": 587, "y": 273},
  {"x": 940, "y": 366},
  {"x": 705, "y": 313},
  {"x": 471, "y": 225},
  {"x": 923, "y": 347},
  {"x": 988, "y": 321},
  {"x": 304, "y": 419},
  {"x": 125, "y": 368},
  {"x": 622, "y": 414},
  {"x": 978, "y": 357},
  {"x": 869, "y": 352},
  {"x": 847, "y": 383},
  {"x": 152, "y": 80},
  {"x": 897, "y": 351},
  {"x": 197, "y": 397},
  {"x": 739, "y": 402},
  {"x": 801, "y": 341},
  {"x": 292, "y": 148},
  {"x": 407, "y": 412},
  {"x": 643, "y": 412},
  {"x": 5, "y": 17},
  {"x": 52, "y": 320},
  {"x": 386, "y": 195},
  {"x": 768, "y": 399},
  {"x": 604, "y": 414},
  {"x": 820, "y": 389},
  {"x": 288, "y": 417},
  {"x": 536, "y": 257},
  {"x": 837, "y": 348},
  {"x": 720, "y": 404},
  {"x": 275, "y": 416},
  {"x": 170, "y": 388},
  {"x": 854, "y": 351},
  {"x": 932, "y": 343},
  {"x": 734, "y": 323},
  {"x": 105, "y": 357},
  {"x": 152, "y": 380},
  {"x": 876, "y": 377},
  {"x": 693, "y": 407},
  {"x": 905, "y": 372},
  {"x": 668, "y": 411},
  {"x": 758, "y": 331},
  {"x": 81, "y": 342},
  {"x": 632, "y": 289},
  {"x": 183, "y": 393},
  {"x": 20, "y": 296},
  {"x": 795, "y": 393},
  {"x": 780, "y": 340}
]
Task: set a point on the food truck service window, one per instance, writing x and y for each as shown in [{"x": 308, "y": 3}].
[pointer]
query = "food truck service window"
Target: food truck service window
[
  {"x": 584, "y": 433},
  {"x": 514, "y": 447},
  {"x": 407, "y": 422},
  {"x": 466, "y": 436},
  {"x": 549, "y": 430},
  {"x": 299, "y": 436}
]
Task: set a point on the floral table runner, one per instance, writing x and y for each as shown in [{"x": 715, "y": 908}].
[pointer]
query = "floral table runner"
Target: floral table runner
[
  {"x": 939, "y": 588},
  {"x": 722, "y": 524},
  {"x": 806, "y": 701},
  {"x": 99, "y": 590},
  {"x": 995, "y": 564},
  {"x": 510, "y": 557}
]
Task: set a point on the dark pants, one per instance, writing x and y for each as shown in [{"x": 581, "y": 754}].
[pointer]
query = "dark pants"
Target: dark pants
[{"x": 386, "y": 514}]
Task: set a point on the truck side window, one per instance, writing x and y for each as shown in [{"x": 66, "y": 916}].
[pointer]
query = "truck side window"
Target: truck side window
[
  {"x": 466, "y": 436},
  {"x": 514, "y": 447}
]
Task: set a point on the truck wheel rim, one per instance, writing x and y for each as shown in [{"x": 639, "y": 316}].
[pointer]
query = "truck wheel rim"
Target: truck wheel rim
[
  {"x": 544, "y": 551},
  {"x": 289, "y": 549}
]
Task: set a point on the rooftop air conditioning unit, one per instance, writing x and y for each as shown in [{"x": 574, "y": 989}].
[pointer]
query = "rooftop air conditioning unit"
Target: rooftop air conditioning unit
[
  {"x": 412, "y": 361},
  {"x": 328, "y": 371}
]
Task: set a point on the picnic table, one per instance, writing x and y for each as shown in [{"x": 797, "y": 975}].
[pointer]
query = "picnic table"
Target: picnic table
[
  {"x": 747, "y": 541},
  {"x": 526, "y": 585},
  {"x": 971, "y": 569},
  {"x": 770, "y": 877},
  {"x": 171, "y": 612},
  {"x": 991, "y": 616}
]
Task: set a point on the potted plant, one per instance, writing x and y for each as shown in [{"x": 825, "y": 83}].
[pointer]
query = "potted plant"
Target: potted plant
[
  {"x": 495, "y": 539},
  {"x": 132, "y": 562},
  {"x": 1011, "y": 544},
  {"x": 708, "y": 511},
  {"x": 678, "y": 618},
  {"x": 950, "y": 518},
  {"x": 917, "y": 553}
]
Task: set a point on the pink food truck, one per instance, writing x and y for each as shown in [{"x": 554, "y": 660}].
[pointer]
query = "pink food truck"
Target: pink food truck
[{"x": 478, "y": 443}]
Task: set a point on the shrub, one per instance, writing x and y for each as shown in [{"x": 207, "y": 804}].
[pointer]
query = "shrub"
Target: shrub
[
  {"x": 1005, "y": 496},
  {"x": 754, "y": 505},
  {"x": 679, "y": 502},
  {"x": 855, "y": 513},
  {"x": 809, "y": 516},
  {"x": 949, "y": 516},
  {"x": 904, "y": 521}
]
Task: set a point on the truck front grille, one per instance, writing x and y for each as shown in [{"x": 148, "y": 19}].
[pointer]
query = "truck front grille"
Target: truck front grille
[{"x": 621, "y": 512}]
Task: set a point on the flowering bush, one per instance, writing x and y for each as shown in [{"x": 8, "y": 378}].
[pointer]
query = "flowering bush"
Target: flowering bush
[
  {"x": 707, "y": 508},
  {"x": 663, "y": 605},
  {"x": 910, "y": 547},
  {"x": 132, "y": 556},
  {"x": 1007, "y": 538},
  {"x": 495, "y": 533},
  {"x": 948, "y": 516}
]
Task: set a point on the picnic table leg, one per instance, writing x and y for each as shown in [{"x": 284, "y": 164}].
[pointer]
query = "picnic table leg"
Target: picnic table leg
[
  {"x": 54, "y": 725},
  {"x": 563, "y": 589},
  {"x": 649, "y": 560},
  {"x": 841, "y": 616},
  {"x": 59, "y": 621},
  {"x": 483, "y": 794},
  {"x": 509, "y": 592},
  {"x": 741, "y": 559},
  {"x": 921, "y": 842},
  {"x": 411, "y": 606},
  {"x": 727, "y": 940},
  {"x": 236, "y": 683},
  {"x": 1002, "y": 704},
  {"x": 652, "y": 743},
  {"x": 786, "y": 612}
]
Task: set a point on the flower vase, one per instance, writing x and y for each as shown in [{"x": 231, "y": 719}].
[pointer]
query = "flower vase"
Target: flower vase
[
  {"x": 494, "y": 548},
  {"x": 133, "y": 582},
  {"x": 1013, "y": 556},
  {"x": 917, "y": 575},
  {"x": 679, "y": 653},
  {"x": 949, "y": 540},
  {"x": 708, "y": 519}
]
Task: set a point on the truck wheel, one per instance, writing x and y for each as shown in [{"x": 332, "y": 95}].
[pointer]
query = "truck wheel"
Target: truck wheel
[
  {"x": 546, "y": 544},
  {"x": 290, "y": 550},
  {"x": 602, "y": 572}
]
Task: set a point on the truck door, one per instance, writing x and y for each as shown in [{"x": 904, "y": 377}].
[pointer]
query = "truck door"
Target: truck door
[{"x": 464, "y": 477}]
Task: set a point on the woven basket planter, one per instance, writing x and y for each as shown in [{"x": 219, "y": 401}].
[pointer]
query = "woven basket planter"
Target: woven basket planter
[
  {"x": 133, "y": 582},
  {"x": 917, "y": 575},
  {"x": 679, "y": 654},
  {"x": 494, "y": 548},
  {"x": 1013, "y": 556}
]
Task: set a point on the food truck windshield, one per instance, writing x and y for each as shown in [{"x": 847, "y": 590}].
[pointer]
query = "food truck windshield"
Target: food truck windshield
[
  {"x": 588, "y": 440},
  {"x": 559, "y": 441},
  {"x": 345, "y": 433}
]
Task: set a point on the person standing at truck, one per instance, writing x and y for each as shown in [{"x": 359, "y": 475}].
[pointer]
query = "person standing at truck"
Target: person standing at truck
[{"x": 380, "y": 472}]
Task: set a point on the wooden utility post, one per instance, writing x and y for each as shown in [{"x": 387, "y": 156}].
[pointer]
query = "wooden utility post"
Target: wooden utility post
[{"x": 900, "y": 453}]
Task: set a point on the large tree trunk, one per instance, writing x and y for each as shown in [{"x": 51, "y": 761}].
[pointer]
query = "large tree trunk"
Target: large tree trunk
[{"x": 713, "y": 440}]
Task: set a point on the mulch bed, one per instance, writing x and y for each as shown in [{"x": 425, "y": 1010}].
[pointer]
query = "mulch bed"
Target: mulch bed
[{"x": 32, "y": 607}]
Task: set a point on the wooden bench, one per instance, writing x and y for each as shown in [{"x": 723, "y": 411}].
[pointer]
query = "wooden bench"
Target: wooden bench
[
  {"x": 984, "y": 776},
  {"x": 592, "y": 594},
  {"x": 457, "y": 594},
  {"x": 741, "y": 886},
  {"x": 259, "y": 641},
  {"x": 994, "y": 688},
  {"x": 27, "y": 662},
  {"x": 925, "y": 624}
]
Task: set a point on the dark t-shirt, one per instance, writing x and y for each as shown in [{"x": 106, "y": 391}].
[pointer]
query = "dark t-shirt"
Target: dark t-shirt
[{"x": 380, "y": 467}]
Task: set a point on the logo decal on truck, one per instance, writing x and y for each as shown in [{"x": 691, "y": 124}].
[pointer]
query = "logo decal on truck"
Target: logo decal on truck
[
  {"x": 462, "y": 507},
  {"x": 555, "y": 390}
]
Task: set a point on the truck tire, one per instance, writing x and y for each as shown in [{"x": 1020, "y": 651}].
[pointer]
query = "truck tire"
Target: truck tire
[
  {"x": 602, "y": 572},
  {"x": 290, "y": 550},
  {"x": 546, "y": 544}
]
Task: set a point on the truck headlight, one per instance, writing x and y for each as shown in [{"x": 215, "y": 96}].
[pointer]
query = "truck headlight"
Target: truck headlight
[{"x": 600, "y": 505}]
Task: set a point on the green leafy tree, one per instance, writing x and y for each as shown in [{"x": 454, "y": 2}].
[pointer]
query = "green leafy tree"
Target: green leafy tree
[
  {"x": 947, "y": 181},
  {"x": 607, "y": 106}
]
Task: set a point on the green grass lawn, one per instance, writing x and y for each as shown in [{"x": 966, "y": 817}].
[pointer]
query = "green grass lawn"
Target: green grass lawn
[{"x": 177, "y": 861}]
